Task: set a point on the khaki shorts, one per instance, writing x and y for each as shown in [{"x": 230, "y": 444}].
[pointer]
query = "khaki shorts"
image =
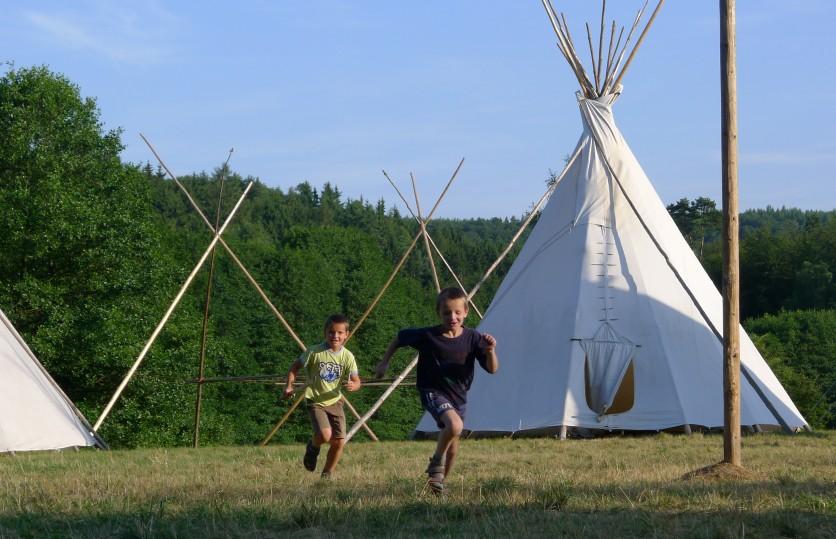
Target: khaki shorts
[{"x": 328, "y": 417}]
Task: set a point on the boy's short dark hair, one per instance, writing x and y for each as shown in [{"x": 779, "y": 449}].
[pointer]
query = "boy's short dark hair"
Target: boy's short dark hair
[
  {"x": 336, "y": 319},
  {"x": 451, "y": 292}
]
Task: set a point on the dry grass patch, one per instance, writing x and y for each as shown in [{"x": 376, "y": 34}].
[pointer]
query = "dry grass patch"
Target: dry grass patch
[{"x": 611, "y": 487}]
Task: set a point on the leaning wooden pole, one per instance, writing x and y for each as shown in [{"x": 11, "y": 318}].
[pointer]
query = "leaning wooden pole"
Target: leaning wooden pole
[
  {"x": 356, "y": 415},
  {"x": 423, "y": 226},
  {"x": 204, "y": 333},
  {"x": 731, "y": 282},
  {"x": 362, "y": 421},
  {"x": 229, "y": 251},
  {"x": 284, "y": 418},
  {"x": 170, "y": 310}
]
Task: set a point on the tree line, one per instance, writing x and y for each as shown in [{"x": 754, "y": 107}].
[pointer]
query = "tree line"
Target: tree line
[{"x": 94, "y": 249}]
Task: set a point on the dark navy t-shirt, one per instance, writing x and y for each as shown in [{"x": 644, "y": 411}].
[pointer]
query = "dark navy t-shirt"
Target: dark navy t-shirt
[{"x": 445, "y": 364}]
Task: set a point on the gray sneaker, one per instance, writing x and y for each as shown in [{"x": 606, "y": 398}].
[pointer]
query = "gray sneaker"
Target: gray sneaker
[{"x": 435, "y": 475}]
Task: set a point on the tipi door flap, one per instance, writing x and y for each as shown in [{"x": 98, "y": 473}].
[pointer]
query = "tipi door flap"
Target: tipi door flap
[{"x": 608, "y": 359}]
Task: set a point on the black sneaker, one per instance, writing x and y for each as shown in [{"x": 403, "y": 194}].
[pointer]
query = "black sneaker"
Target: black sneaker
[{"x": 311, "y": 454}]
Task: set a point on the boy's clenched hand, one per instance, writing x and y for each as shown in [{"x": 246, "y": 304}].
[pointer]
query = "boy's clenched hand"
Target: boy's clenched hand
[{"x": 488, "y": 343}]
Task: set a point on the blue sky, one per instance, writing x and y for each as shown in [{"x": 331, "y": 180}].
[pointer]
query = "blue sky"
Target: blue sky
[{"x": 338, "y": 90}]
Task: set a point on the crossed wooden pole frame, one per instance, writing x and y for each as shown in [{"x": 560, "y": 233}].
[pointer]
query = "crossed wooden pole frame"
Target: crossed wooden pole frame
[
  {"x": 429, "y": 242},
  {"x": 429, "y": 245},
  {"x": 422, "y": 232},
  {"x": 210, "y": 250}
]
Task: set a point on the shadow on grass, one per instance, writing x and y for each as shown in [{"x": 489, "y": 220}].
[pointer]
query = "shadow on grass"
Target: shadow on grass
[
  {"x": 497, "y": 507},
  {"x": 424, "y": 519}
]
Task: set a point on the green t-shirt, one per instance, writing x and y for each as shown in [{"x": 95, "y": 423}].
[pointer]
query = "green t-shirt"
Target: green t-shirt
[{"x": 325, "y": 371}]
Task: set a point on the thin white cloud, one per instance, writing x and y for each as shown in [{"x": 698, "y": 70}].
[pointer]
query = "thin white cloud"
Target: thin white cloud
[{"x": 133, "y": 34}]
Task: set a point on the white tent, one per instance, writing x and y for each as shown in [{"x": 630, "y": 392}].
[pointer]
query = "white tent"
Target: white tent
[
  {"x": 606, "y": 319},
  {"x": 34, "y": 413}
]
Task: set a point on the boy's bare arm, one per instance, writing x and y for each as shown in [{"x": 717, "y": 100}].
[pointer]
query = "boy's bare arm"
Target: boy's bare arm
[
  {"x": 353, "y": 383},
  {"x": 488, "y": 346},
  {"x": 380, "y": 370},
  {"x": 291, "y": 378}
]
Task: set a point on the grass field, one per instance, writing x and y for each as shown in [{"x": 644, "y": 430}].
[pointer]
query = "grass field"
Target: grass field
[{"x": 611, "y": 487}]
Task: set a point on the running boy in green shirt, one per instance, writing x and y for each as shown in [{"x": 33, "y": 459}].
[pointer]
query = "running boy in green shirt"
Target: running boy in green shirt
[{"x": 326, "y": 365}]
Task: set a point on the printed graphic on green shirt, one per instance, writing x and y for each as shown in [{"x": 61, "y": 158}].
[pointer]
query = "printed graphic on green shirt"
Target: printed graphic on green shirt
[{"x": 329, "y": 372}]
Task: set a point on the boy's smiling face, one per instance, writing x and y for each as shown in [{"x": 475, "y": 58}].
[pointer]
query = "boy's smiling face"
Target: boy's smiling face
[
  {"x": 335, "y": 335},
  {"x": 452, "y": 313}
]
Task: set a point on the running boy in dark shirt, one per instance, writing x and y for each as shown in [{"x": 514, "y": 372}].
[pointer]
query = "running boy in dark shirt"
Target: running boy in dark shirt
[{"x": 446, "y": 356}]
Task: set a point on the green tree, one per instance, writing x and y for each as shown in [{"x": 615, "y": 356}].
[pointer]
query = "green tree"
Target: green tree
[
  {"x": 801, "y": 347},
  {"x": 79, "y": 265}
]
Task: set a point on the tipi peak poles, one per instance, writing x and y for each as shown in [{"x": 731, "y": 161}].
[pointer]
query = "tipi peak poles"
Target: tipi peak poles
[
  {"x": 639, "y": 14},
  {"x": 601, "y": 48},
  {"x": 435, "y": 247},
  {"x": 228, "y": 249},
  {"x": 525, "y": 223},
  {"x": 638, "y": 44},
  {"x": 566, "y": 47},
  {"x": 170, "y": 310},
  {"x": 425, "y": 234},
  {"x": 207, "y": 300},
  {"x": 595, "y": 68}
]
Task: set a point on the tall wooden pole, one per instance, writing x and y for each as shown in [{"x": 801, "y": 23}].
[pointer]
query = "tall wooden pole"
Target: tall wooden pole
[
  {"x": 201, "y": 370},
  {"x": 731, "y": 281}
]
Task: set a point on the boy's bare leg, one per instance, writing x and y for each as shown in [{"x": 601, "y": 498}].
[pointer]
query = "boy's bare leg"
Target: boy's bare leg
[
  {"x": 321, "y": 437},
  {"x": 452, "y": 449},
  {"x": 334, "y": 454},
  {"x": 452, "y": 429}
]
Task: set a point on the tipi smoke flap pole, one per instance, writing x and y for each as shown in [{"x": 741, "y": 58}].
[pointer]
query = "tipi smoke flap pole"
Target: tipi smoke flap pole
[{"x": 170, "y": 310}]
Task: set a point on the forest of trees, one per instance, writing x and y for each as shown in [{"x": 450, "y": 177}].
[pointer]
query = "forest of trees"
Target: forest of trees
[{"x": 94, "y": 250}]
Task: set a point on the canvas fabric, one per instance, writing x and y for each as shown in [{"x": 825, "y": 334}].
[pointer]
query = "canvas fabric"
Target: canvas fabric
[
  {"x": 590, "y": 260},
  {"x": 35, "y": 414}
]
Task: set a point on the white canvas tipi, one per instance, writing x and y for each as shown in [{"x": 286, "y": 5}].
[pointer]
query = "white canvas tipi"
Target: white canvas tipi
[
  {"x": 606, "y": 319},
  {"x": 34, "y": 413}
]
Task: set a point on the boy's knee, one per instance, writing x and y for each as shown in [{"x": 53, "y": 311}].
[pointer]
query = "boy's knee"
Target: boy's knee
[
  {"x": 324, "y": 436},
  {"x": 453, "y": 423},
  {"x": 337, "y": 442}
]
